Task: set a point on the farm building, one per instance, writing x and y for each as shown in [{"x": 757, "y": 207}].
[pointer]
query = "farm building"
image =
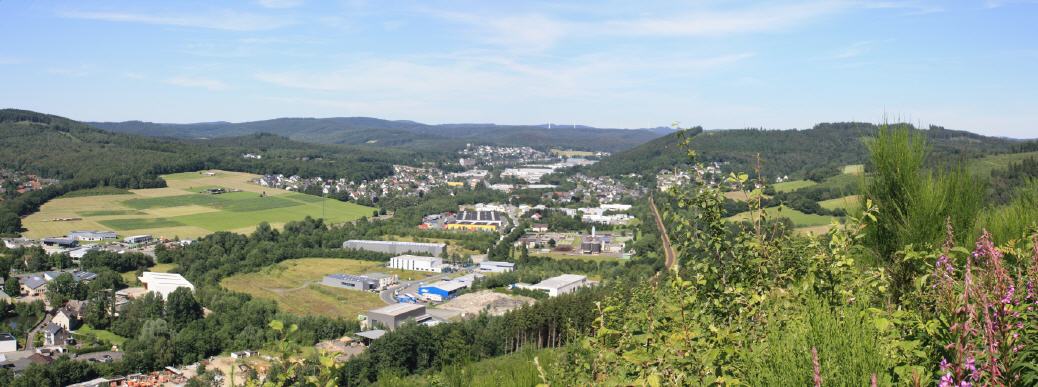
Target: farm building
[
  {"x": 496, "y": 266},
  {"x": 490, "y": 221},
  {"x": 164, "y": 283},
  {"x": 392, "y": 316},
  {"x": 394, "y": 247},
  {"x": 417, "y": 263},
  {"x": 138, "y": 239},
  {"x": 554, "y": 286},
  {"x": 92, "y": 236}
]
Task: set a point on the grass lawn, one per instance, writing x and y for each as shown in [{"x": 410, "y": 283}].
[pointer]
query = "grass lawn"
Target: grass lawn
[
  {"x": 845, "y": 202},
  {"x": 179, "y": 210},
  {"x": 295, "y": 285},
  {"x": 793, "y": 185},
  {"x": 984, "y": 166},
  {"x": 101, "y": 334},
  {"x": 854, "y": 169},
  {"x": 139, "y": 223},
  {"x": 800, "y": 219},
  {"x": 577, "y": 257},
  {"x": 96, "y": 192},
  {"x": 130, "y": 277}
]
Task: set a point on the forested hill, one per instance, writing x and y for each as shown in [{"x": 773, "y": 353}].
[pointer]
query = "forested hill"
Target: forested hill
[
  {"x": 818, "y": 151},
  {"x": 405, "y": 134},
  {"x": 81, "y": 156}
]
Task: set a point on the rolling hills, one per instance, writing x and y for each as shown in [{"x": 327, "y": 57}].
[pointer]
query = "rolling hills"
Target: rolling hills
[
  {"x": 404, "y": 134},
  {"x": 800, "y": 154}
]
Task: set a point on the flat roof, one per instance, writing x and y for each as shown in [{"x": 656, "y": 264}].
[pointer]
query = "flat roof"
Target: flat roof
[
  {"x": 497, "y": 263},
  {"x": 560, "y": 281},
  {"x": 397, "y": 309},
  {"x": 151, "y": 277},
  {"x": 348, "y": 277},
  {"x": 449, "y": 286},
  {"x": 395, "y": 242},
  {"x": 373, "y": 334},
  {"x": 418, "y": 258}
]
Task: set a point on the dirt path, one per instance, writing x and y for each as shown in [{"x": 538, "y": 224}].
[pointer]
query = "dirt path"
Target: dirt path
[
  {"x": 668, "y": 251},
  {"x": 280, "y": 291}
]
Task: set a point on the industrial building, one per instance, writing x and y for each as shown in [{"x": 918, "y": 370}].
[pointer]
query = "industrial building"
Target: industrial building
[
  {"x": 164, "y": 283},
  {"x": 92, "y": 236},
  {"x": 417, "y": 263},
  {"x": 392, "y": 316},
  {"x": 490, "y": 221},
  {"x": 496, "y": 266},
  {"x": 138, "y": 239},
  {"x": 554, "y": 286},
  {"x": 67, "y": 243},
  {"x": 447, "y": 289},
  {"x": 394, "y": 247},
  {"x": 442, "y": 290},
  {"x": 371, "y": 281}
]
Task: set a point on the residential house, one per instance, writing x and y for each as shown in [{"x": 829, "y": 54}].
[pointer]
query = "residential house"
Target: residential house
[
  {"x": 33, "y": 285},
  {"x": 54, "y": 334}
]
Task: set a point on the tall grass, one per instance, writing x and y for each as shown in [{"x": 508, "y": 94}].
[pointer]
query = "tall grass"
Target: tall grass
[
  {"x": 847, "y": 345},
  {"x": 1016, "y": 219}
]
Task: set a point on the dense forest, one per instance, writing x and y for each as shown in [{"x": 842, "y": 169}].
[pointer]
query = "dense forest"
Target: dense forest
[
  {"x": 815, "y": 153},
  {"x": 373, "y": 132},
  {"x": 83, "y": 157}
]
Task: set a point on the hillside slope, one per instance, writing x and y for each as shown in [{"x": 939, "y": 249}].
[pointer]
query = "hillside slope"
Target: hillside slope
[
  {"x": 817, "y": 152},
  {"x": 406, "y": 134}
]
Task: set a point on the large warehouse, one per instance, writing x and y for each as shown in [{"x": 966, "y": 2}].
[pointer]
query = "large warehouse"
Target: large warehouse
[
  {"x": 476, "y": 221},
  {"x": 164, "y": 283},
  {"x": 417, "y": 263},
  {"x": 554, "y": 286},
  {"x": 392, "y": 316},
  {"x": 369, "y": 281},
  {"x": 394, "y": 247}
]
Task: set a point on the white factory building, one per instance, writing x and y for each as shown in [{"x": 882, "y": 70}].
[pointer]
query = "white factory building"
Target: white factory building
[
  {"x": 554, "y": 286},
  {"x": 496, "y": 266},
  {"x": 417, "y": 263},
  {"x": 164, "y": 283}
]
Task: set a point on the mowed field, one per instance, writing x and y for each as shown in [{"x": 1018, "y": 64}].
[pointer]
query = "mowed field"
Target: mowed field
[
  {"x": 799, "y": 219},
  {"x": 181, "y": 210},
  {"x": 295, "y": 285},
  {"x": 793, "y": 185}
]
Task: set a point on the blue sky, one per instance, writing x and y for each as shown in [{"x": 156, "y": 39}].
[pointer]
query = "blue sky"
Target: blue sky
[{"x": 721, "y": 64}]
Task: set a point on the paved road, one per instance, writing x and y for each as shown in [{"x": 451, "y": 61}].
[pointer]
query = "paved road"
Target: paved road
[
  {"x": 668, "y": 251},
  {"x": 29, "y": 345}
]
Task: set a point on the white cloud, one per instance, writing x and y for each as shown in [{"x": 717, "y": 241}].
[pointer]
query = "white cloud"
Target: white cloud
[
  {"x": 221, "y": 20},
  {"x": 280, "y": 3},
  {"x": 537, "y": 31},
  {"x": 854, "y": 50},
  {"x": 204, "y": 83},
  {"x": 721, "y": 23}
]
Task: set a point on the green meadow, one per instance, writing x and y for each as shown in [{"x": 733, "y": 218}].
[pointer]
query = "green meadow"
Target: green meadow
[{"x": 183, "y": 209}]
